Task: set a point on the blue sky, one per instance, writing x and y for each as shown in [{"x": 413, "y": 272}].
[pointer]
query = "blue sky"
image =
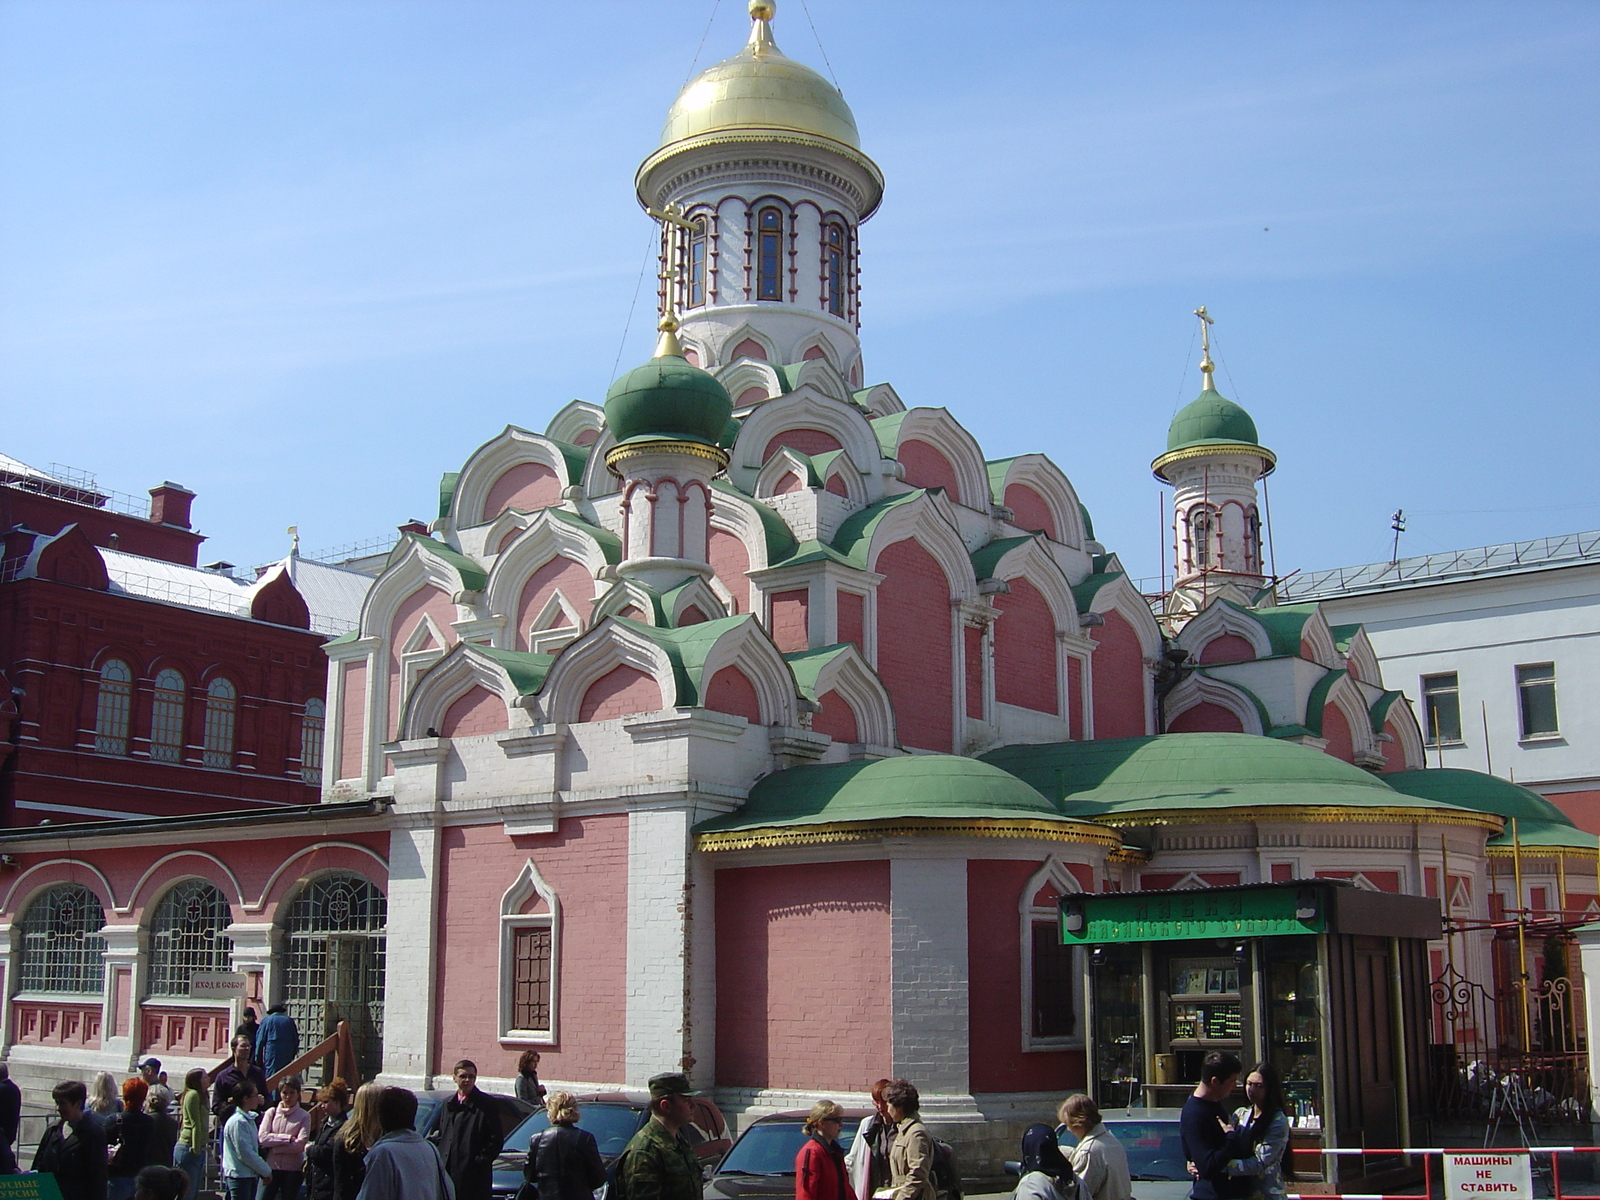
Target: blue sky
[{"x": 304, "y": 257}]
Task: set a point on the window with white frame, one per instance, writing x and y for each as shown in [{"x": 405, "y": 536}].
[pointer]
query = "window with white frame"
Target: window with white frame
[
  {"x": 166, "y": 717},
  {"x": 62, "y": 949},
  {"x": 114, "y": 708},
  {"x": 530, "y": 956},
  {"x": 1441, "y": 709},
  {"x": 1053, "y": 1006},
  {"x": 1536, "y": 700},
  {"x": 221, "y": 712},
  {"x": 312, "y": 723}
]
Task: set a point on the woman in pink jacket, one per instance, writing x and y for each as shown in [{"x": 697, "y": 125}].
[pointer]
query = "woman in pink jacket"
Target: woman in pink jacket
[{"x": 285, "y": 1130}]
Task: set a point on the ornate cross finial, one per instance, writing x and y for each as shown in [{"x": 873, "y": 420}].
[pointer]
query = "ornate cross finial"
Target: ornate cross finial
[{"x": 1206, "y": 365}]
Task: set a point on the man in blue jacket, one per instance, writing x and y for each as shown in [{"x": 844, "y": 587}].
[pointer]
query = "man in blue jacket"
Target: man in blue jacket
[
  {"x": 277, "y": 1041},
  {"x": 1209, "y": 1139}
]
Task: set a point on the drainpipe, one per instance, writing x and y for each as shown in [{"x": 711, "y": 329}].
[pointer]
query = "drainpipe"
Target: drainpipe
[{"x": 1170, "y": 672}]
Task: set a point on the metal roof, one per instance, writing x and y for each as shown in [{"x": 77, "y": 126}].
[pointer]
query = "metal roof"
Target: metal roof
[{"x": 1507, "y": 559}]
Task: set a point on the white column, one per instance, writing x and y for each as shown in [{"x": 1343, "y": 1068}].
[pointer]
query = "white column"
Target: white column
[
  {"x": 411, "y": 948},
  {"x": 1589, "y": 956},
  {"x": 928, "y": 938},
  {"x": 122, "y": 959},
  {"x": 658, "y": 870}
]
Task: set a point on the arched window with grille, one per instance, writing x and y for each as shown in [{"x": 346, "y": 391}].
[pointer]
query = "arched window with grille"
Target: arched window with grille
[
  {"x": 186, "y": 935},
  {"x": 1201, "y": 548},
  {"x": 222, "y": 702},
  {"x": 114, "y": 707},
  {"x": 166, "y": 717},
  {"x": 335, "y": 930},
  {"x": 696, "y": 282},
  {"x": 63, "y": 951},
  {"x": 769, "y": 254},
  {"x": 836, "y": 259},
  {"x": 312, "y": 722},
  {"x": 1252, "y": 540}
]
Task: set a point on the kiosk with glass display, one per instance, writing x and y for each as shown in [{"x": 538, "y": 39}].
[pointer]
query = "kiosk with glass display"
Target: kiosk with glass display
[{"x": 1326, "y": 982}]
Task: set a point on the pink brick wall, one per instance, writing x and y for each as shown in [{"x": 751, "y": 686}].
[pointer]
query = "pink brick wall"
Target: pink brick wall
[
  {"x": 1029, "y": 509},
  {"x": 1205, "y": 718},
  {"x": 1337, "y": 732},
  {"x": 586, "y": 862},
  {"x": 526, "y": 486},
  {"x": 914, "y": 643},
  {"x": 926, "y": 467},
  {"x": 730, "y": 691},
  {"x": 851, "y": 619},
  {"x": 1118, "y": 689},
  {"x": 434, "y": 603},
  {"x": 837, "y": 719},
  {"x": 479, "y": 711},
  {"x": 790, "y": 628},
  {"x": 1230, "y": 647},
  {"x": 803, "y": 980},
  {"x": 807, "y": 441},
  {"x": 620, "y": 691},
  {"x": 352, "y": 720},
  {"x": 1025, "y": 650},
  {"x": 571, "y": 579},
  {"x": 730, "y": 560}
]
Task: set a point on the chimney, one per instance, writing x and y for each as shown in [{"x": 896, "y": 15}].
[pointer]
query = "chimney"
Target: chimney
[
  {"x": 169, "y": 504},
  {"x": 414, "y": 526}
]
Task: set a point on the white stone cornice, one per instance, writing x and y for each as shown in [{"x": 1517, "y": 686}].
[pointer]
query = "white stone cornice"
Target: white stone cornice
[{"x": 685, "y": 722}]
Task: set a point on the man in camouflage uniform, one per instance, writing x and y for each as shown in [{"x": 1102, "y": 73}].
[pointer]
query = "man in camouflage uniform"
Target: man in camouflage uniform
[{"x": 659, "y": 1163}]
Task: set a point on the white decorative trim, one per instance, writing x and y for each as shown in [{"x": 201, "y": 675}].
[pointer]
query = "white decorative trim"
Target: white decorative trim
[
  {"x": 529, "y": 882},
  {"x": 739, "y": 377},
  {"x": 748, "y": 647},
  {"x": 1196, "y": 689},
  {"x": 544, "y": 539},
  {"x": 266, "y": 891},
  {"x": 944, "y": 433},
  {"x": 1037, "y": 472},
  {"x": 849, "y": 674},
  {"x": 1055, "y": 873},
  {"x": 511, "y": 447},
  {"x": 574, "y": 420},
  {"x": 453, "y": 676},
  {"x": 881, "y": 400},
  {"x": 929, "y": 519},
  {"x": 167, "y": 884},
  {"x": 803, "y": 408},
  {"x": 1217, "y": 619},
  {"x": 108, "y": 895},
  {"x": 605, "y": 647},
  {"x": 784, "y": 462}
]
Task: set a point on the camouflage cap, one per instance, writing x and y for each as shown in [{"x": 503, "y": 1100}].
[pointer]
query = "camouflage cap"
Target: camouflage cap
[{"x": 672, "y": 1083}]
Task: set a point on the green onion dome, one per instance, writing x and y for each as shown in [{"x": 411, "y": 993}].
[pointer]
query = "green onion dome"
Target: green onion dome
[
  {"x": 1211, "y": 422},
  {"x": 668, "y": 399}
]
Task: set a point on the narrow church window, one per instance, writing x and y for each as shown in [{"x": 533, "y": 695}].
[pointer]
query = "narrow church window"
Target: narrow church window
[
  {"x": 769, "y": 254},
  {"x": 62, "y": 947},
  {"x": 530, "y": 983},
  {"x": 221, "y": 706},
  {"x": 697, "y": 264},
  {"x": 1053, "y": 1011},
  {"x": 1252, "y": 541},
  {"x": 311, "y": 727},
  {"x": 1200, "y": 538},
  {"x": 186, "y": 935},
  {"x": 114, "y": 709},
  {"x": 166, "y": 718},
  {"x": 836, "y": 269},
  {"x": 1441, "y": 709}
]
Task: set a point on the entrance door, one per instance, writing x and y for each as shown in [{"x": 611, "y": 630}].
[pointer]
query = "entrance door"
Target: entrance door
[
  {"x": 1377, "y": 1087},
  {"x": 335, "y": 966}
]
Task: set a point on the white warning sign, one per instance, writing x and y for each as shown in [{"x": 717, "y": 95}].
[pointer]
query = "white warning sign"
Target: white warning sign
[{"x": 1476, "y": 1175}]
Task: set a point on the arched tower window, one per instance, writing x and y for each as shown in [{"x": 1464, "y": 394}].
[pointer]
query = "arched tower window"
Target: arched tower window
[
  {"x": 836, "y": 271},
  {"x": 336, "y": 929},
  {"x": 1252, "y": 540},
  {"x": 186, "y": 935},
  {"x": 1202, "y": 531},
  {"x": 697, "y": 264},
  {"x": 62, "y": 949},
  {"x": 769, "y": 254},
  {"x": 312, "y": 723},
  {"x": 166, "y": 718},
  {"x": 114, "y": 709},
  {"x": 221, "y": 709}
]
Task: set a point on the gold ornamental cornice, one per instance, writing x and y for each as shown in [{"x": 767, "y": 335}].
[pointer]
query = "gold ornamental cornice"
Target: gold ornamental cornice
[
  {"x": 1310, "y": 815},
  {"x": 619, "y": 454},
  {"x": 844, "y": 832},
  {"x": 1183, "y": 454},
  {"x": 1586, "y": 853}
]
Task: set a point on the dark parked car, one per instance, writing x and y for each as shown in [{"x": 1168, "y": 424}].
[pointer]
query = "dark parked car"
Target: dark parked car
[
  {"x": 1155, "y": 1151},
  {"x": 761, "y": 1163},
  {"x": 613, "y": 1118}
]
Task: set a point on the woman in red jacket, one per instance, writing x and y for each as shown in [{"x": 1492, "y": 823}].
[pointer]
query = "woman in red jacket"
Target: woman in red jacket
[{"x": 819, "y": 1171}]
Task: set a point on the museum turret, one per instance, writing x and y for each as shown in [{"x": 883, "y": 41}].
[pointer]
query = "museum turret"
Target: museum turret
[
  {"x": 760, "y": 188},
  {"x": 1213, "y": 461}
]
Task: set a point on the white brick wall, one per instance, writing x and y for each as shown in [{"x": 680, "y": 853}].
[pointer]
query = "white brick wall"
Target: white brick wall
[
  {"x": 928, "y": 930},
  {"x": 657, "y": 871},
  {"x": 411, "y": 946}
]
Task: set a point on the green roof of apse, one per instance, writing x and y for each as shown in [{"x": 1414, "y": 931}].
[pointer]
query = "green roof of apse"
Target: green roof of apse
[{"x": 1474, "y": 789}]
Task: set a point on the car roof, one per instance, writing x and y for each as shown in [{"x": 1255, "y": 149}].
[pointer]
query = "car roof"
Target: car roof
[
  {"x": 1124, "y": 1115},
  {"x": 800, "y": 1114}
]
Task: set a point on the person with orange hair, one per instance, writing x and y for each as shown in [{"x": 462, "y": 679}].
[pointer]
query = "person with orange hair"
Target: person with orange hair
[{"x": 130, "y": 1132}]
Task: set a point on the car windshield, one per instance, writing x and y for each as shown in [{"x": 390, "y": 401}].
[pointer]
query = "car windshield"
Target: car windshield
[
  {"x": 611, "y": 1124},
  {"x": 1155, "y": 1149},
  {"x": 770, "y": 1148},
  {"x": 427, "y": 1110}
]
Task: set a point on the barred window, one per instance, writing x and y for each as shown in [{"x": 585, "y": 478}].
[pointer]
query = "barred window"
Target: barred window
[
  {"x": 166, "y": 718},
  {"x": 1200, "y": 538},
  {"x": 221, "y": 709},
  {"x": 62, "y": 949},
  {"x": 114, "y": 709},
  {"x": 697, "y": 264},
  {"x": 1054, "y": 1014},
  {"x": 836, "y": 268},
  {"x": 769, "y": 254},
  {"x": 186, "y": 935},
  {"x": 335, "y": 963},
  {"x": 312, "y": 723},
  {"x": 530, "y": 980}
]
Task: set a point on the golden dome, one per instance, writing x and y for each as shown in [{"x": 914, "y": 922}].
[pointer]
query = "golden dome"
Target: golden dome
[{"x": 760, "y": 89}]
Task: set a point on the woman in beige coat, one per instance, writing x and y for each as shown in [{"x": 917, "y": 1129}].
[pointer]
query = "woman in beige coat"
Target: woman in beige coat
[
  {"x": 1098, "y": 1158},
  {"x": 911, "y": 1153}
]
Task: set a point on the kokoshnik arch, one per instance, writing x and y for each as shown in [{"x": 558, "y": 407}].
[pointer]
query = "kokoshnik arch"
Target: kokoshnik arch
[{"x": 755, "y": 703}]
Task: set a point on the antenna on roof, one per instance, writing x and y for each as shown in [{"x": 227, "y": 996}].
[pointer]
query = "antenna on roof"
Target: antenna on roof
[{"x": 1397, "y": 522}]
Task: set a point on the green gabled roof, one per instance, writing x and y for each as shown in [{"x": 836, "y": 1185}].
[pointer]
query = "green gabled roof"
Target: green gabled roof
[
  {"x": 788, "y": 375},
  {"x": 1379, "y": 710},
  {"x": 939, "y": 786},
  {"x": 472, "y": 576},
  {"x": 1344, "y": 635},
  {"x": 1285, "y": 623},
  {"x": 823, "y": 461},
  {"x": 1085, "y": 591},
  {"x": 999, "y": 468},
  {"x": 576, "y": 458},
  {"x": 780, "y": 538},
  {"x": 987, "y": 557},
  {"x": 1476, "y": 790},
  {"x": 1088, "y": 521},
  {"x": 686, "y": 649},
  {"x": 810, "y": 551},
  {"x": 353, "y": 635},
  {"x": 610, "y": 544},
  {"x": 526, "y": 671},
  {"x": 887, "y": 431},
  {"x": 447, "y": 492},
  {"x": 813, "y": 476},
  {"x": 855, "y": 535},
  {"x": 1175, "y": 775},
  {"x": 807, "y": 665},
  {"x": 630, "y": 588},
  {"x": 1317, "y": 700}
]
